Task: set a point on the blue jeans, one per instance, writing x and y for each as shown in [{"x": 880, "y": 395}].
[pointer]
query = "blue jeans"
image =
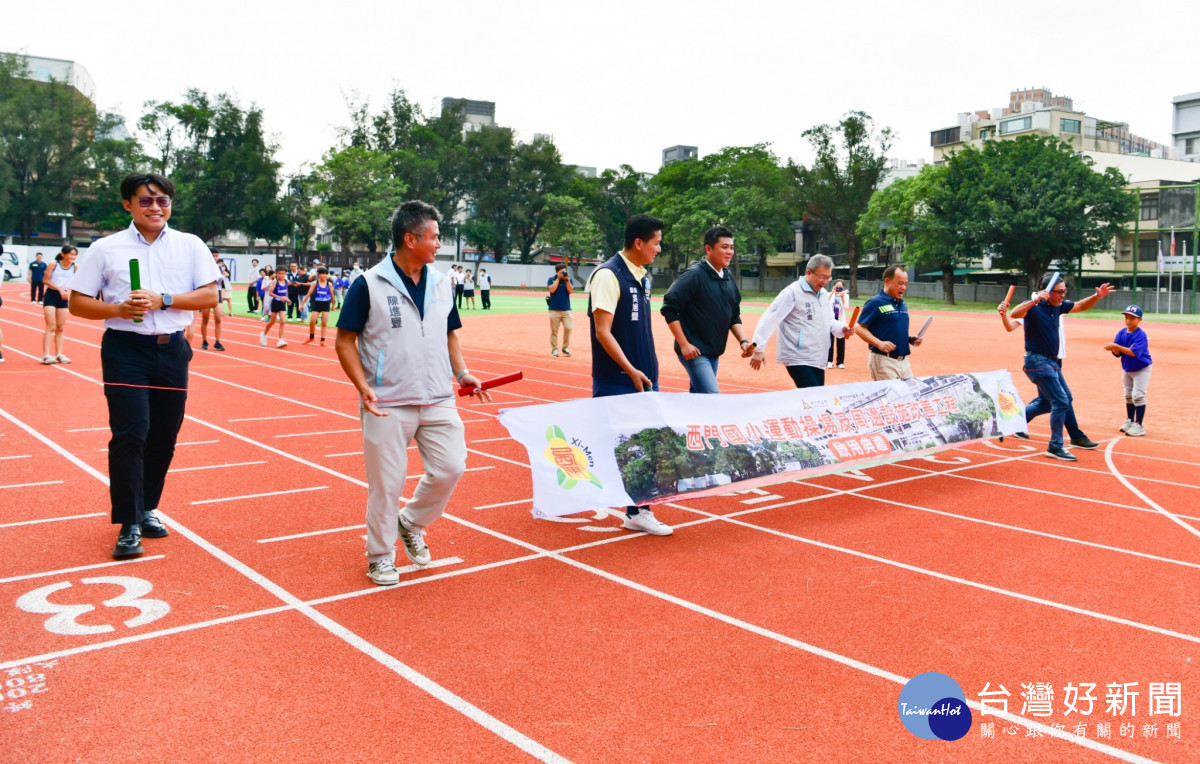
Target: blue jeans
[
  {"x": 702, "y": 373},
  {"x": 1053, "y": 396}
]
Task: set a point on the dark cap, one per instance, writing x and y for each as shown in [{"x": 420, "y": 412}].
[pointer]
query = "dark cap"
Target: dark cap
[{"x": 1133, "y": 310}]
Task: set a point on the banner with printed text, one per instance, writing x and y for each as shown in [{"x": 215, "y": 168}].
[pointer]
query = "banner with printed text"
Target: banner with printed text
[{"x": 651, "y": 447}]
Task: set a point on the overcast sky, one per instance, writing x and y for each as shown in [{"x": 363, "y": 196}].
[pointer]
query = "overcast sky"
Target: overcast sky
[{"x": 618, "y": 81}]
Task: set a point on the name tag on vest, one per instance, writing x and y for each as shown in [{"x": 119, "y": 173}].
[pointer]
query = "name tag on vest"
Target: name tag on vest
[{"x": 394, "y": 311}]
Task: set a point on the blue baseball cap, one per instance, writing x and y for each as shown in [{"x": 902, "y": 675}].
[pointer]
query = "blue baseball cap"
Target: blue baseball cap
[{"x": 1133, "y": 310}]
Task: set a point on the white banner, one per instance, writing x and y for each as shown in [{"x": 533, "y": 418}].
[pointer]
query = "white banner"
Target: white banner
[{"x": 651, "y": 447}]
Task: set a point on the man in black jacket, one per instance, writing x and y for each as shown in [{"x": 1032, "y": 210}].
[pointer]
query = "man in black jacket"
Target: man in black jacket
[{"x": 701, "y": 307}]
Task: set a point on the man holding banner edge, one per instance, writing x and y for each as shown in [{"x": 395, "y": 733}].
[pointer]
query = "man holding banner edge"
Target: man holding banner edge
[{"x": 623, "y": 357}]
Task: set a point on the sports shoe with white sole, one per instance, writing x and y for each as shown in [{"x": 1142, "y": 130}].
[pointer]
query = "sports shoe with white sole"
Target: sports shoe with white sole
[
  {"x": 566, "y": 352},
  {"x": 62, "y": 358},
  {"x": 262, "y": 339},
  {"x": 1084, "y": 442},
  {"x": 48, "y": 359},
  {"x": 414, "y": 544},
  {"x": 383, "y": 572},
  {"x": 1061, "y": 453},
  {"x": 646, "y": 522},
  {"x": 1135, "y": 430},
  {"x": 1125, "y": 427},
  {"x": 554, "y": 352},
  {"x": 281, "y": 344}
]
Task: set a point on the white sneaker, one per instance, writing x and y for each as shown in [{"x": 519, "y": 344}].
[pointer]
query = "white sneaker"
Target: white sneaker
[
  {"x": 829, "y": 365},
  {"x": 383, "y": 573},
  {"x": 281, "y": 344},
  {"x": 1125, "y": 427},
  {"x": 62, "y": 358},
  {"x": 841, "y": 365},
  {"x": 566, "y": 352},
  {"x": 1135, "y": 430},
  {"x": 646, "y": 522},
  {"x": 414, "y": 544},
  {"x": 554, "y": 352},
  {"x": 262, "y": 339},
  {"x": 48, "y": 359}
]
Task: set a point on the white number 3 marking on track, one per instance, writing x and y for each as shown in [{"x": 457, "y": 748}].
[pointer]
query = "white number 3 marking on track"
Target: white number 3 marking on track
[{"x": 63, "y": 619}]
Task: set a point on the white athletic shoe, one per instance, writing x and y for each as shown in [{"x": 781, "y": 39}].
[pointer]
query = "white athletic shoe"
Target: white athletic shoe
[
  {"x": 829, "y": 365},
  {"x": 1125, "y": 427},
  {"x": 554, "y": 353},
  {"x": 281, "y": 344},
  {"x": 566, "y": 352},
  {"x": 262, "y": 339},
  {"x": 414, "y": 543},
  {"x": 841, "y": 365},
  {"x": 1135, "y": 430},
  {"x": 49, "y": 359},
  {"x": 62, "y": 358},
  {"x": 646, "y": 522},
  {"x": 383, "y": 573}
]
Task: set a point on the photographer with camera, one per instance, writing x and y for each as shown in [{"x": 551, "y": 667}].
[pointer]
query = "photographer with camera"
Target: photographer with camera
[{"x": 559, "y": 304}]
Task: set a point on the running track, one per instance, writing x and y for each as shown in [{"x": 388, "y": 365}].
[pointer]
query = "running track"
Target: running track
[{"x": 775, "y": 625}]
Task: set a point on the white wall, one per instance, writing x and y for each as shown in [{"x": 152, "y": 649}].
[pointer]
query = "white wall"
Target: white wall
[{"x": 514, "y": 274}]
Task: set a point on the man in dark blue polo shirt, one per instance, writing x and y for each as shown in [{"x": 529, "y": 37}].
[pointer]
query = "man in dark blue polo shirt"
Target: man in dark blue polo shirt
[
  {"x": 37, "y": 276},
  {"x": 883, "y": 324},
  {"x": 1043, "y": 364}
]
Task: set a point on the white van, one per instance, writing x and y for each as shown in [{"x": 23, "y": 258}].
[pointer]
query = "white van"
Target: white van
[{"x": 13, "y": 268}]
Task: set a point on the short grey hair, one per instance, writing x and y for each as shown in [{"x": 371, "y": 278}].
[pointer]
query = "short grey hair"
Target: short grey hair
[
  {"x": 411, "y": 217},
  {"x": 819, "y": 261}
]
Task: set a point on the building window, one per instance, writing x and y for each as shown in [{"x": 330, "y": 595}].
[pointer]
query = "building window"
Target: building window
[
  {"x": 1150, "y": 207},
  {"x": 1147, "y": 250},
  {"x": 943, "y": 137},
  {"x": 1069, "y": 126},
  {"x": 1016, "y": 125},
  {"x": 1191, "y": 145}
]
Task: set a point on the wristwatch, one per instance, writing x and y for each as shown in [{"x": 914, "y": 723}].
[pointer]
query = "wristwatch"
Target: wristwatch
[
  {"x": 461, "y": 374},
  {"x": 167, "y": 301}
]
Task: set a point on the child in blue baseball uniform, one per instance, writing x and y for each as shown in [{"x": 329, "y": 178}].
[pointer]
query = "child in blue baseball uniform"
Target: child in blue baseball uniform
[{"x": 1132, "y": 346}]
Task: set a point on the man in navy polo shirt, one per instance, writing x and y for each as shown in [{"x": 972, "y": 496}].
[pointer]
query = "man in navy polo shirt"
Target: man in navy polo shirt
[
  {"x": 623, "y": 357},
  {"x": 883, "y": 324},
  {"x": 1043, "y": 362}
]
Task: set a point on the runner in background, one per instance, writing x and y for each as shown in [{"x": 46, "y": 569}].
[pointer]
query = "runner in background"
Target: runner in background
[
  {"x": 280, "y": 301},
  {"x": 55, "y": 303},
  {"x": 320, "y": 292},
  {"x": 214, "y": 312}
]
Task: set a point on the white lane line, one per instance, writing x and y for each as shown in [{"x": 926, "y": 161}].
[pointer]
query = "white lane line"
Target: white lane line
[
  {"x": 30, "y": 485},
  {"x": 54, "y": 519},
  {"x": 217, "y": 466},
  {"x": 90, "y": 429},
  {"x": 1158, "y": 459},
  {"x": 22, "y": 456},
  {"x": 462, "y": 706},
  {"x": 260, "y": 495},
  {"x": 65, "y": 571},
  {"x": 1108, "y": 451},
  {"x": 323, "y": 432},
  {"x": 792, "y": 642},
  {"x": 313, "y": 533},
  {"x": 271, "y": 418},
  {"x": 505, "y": 504},
  {"x": 497, "y": 458},
  {"x": 347, "y": 453}
]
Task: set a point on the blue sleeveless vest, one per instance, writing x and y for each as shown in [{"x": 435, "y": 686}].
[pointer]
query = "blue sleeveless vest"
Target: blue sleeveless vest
[{"x": 631, "y": 328}]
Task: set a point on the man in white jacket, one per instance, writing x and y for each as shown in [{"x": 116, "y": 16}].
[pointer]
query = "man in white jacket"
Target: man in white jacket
[
  {"x": 806, "y": 326},
  {"x": 397, "y": 341}
]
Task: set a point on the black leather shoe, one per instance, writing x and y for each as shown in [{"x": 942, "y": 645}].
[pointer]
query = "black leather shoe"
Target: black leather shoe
[
  {"x": 152, "y": 527},
  {"x": 1084, "y": 442},
  {"x": 129, "y": 542}
]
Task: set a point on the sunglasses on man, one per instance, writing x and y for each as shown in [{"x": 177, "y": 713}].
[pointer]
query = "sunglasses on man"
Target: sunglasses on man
[{"x": 146, "y": 201}]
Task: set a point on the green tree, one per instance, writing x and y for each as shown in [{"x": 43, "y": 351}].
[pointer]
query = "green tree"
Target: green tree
[
  {"x": 48, "y": 133},
  {"x": 218, "y": 155},
  {"x": 357, "y": 194},
  {"x": 850, "y": 161},
  {"x": 537, "y": 173},
  {"x": 113, "y": 158},
  {"x": 570, "y": 227},
  {"x": 488, "y": 183},
  {"x": 1044, "y": 203}
]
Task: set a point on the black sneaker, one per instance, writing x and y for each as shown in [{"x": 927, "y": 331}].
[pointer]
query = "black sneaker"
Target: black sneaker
[
  {"x": 129, "y": 542},
  {"x": 204, "y": 345},
  {"x": 152, "y": 527},
  {"x": 219, "y": 346},
  {"x": 1, "y": 357},
  {"x": 1084, "y": 442},
  {"x": 1021, "y": 435},
  {"x": 1061, "y": 453}
]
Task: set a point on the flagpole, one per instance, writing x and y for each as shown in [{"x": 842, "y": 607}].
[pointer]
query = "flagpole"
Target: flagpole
[
  {"x": 1158, "y": 280},
  {"x": 1170, "y": 272}
]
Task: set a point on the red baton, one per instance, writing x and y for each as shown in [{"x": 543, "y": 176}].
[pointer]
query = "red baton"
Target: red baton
[
  {"x": 490, "y": 383},
  {"x": 853, "y": 318},
  {"x": 1008, "y": 297}
]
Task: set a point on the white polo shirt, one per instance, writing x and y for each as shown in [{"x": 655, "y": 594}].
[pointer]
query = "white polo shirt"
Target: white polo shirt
[{"x": 174, "y": 263}]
